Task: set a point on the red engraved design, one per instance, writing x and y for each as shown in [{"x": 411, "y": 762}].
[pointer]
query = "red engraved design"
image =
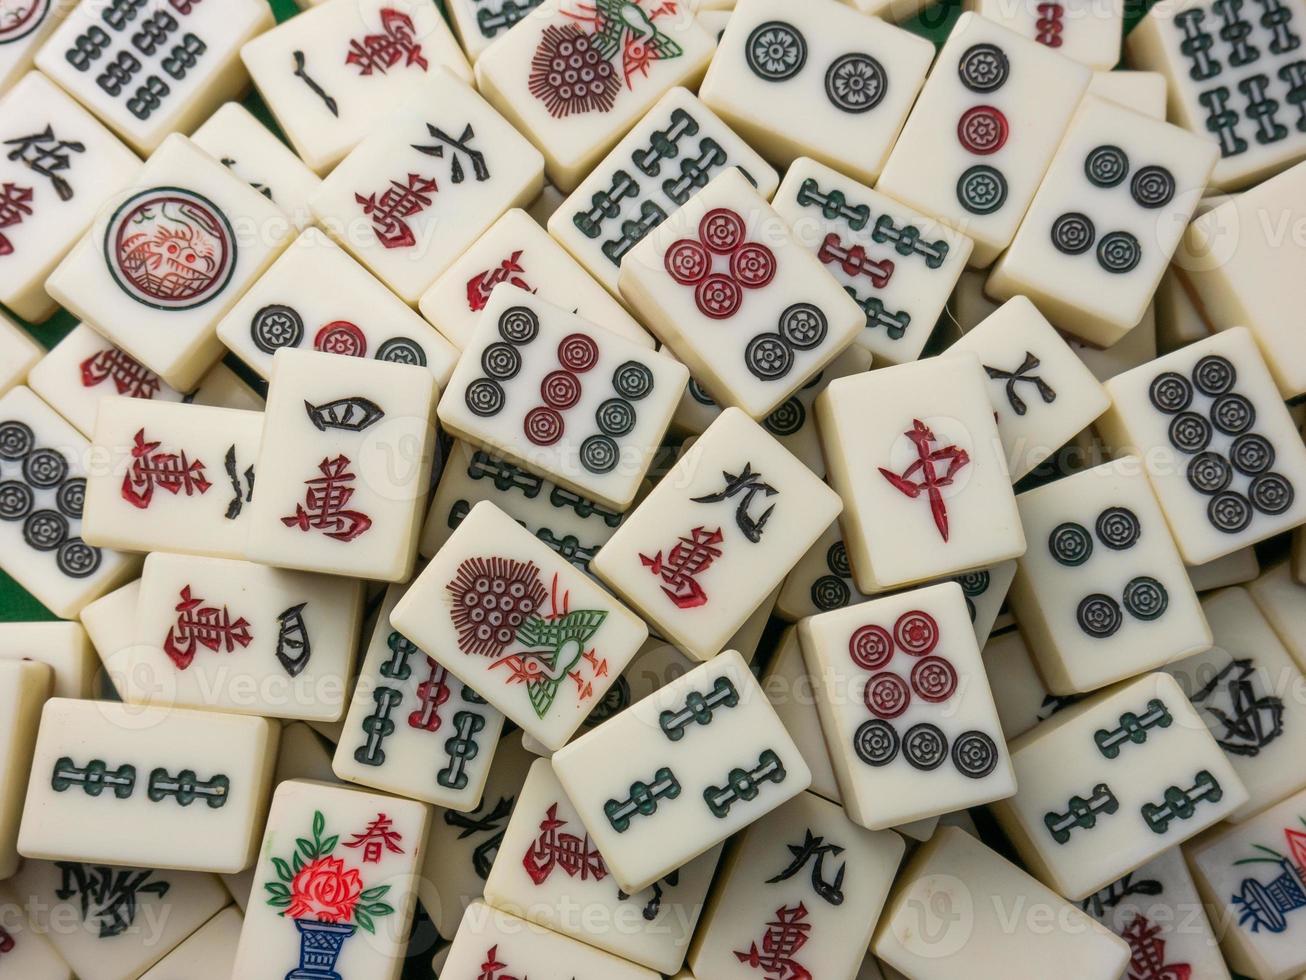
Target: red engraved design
[
  {"x": 15, "y": 205},
  {"x": 1049, "y": 24},
  {"x": 492, "y": 969},
  {"x": 719, "y": 285},
  {"x": 399, "y": 202},
  {"x": 130, "y": 377},
  {"x": 170, "y": 248},
  {"x": 482, "y": 284},
  {"x": 569, "y": 75},
  {"x": 854, "y": 261},
  {"x": 982, "y": 129},
  {"x": 871, "y": 647},
  {"x": 6, "y": 941},
  {"x": 887, "y": 693},
  {"x": 397, "y": 42},
  {"x": 934, "y": 679},
  {"x": 493, "y": 598},
  {"x": 199, "y": 625},
  {"x": 577, "y": 857},
  {"x": 173, "y": 472},
  {"x": 341, "y": 337},
  {"x": 18, "y": 18},
  {"x": 380, "y": 836},
  {"x": 431, "y": 693},
  {"x": 324, "y": 506},
  {"x": 784, "y": 937},
  {"x": 923, "y": 476},
  {"x": 560, "y": 390},
  {"x": 917, "y": 633},
  {"x": 1147, "y": 953},
  {"x": 689, "y": 557}
]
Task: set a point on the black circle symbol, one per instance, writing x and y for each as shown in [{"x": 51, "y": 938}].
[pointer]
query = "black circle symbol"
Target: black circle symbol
[
  {"x": 45, "y": 468},
  {"x": 974, "y": 754},
  {"x": 1073, "y": 233},
  {"x": 787, "y": 419},
  {"x": 632, "y": 380},
  {"x": 16, "y": 500},
  {"x": 803, "y": 325},
  {"x": 1229, "y": 511},
  {"x": 485, "y": 397},
  {"x": 1209, "y": 473},
  {"x": 1118, "y": 528},
  {"x": 1233, "y": 414},
  {"x": 70, "y": 498},
  {"x": 1214, "y": 375},
  {"x": 1070, "y": 544},
  {"x": 501, "y": 361},
  {"x": 1106, "y": 166},
  {"x": 519, "y": 325},
  {"x": 768, "y": 356},
  {"x": 615, "y": 417},
  {"x": 1170, "y": 392},
  {"x": 925, "y": 746},
  {"x": 401, "y": 350},
  {"x": 1099, "y": 615},
  {"x": 974, "y": 583},
  {"x": 983, "y": 68},
  {"x": 1118, "y": 252},
  {"x": 76, "y": 558},
  {"x": 830, "y": 592},
  {"x": 836, "y": 559},
  {"x": 1152, "y": 187},
  {"x": 599, "y": 454},
  {"x": 856, "y": 83},
  {"x": 875, "y": 742},
  {"x": 1190, "y": 432},
  {"x": 1145, "y": 598},
  {"x": 276, "y": 326},
  {"x": 16, "y": 440},
  {"x": 776, "y": 51},
  {"x": 982, "y": 189},
  {"x": 1270, "y": 493},
  {"x": 697, "y": 392},
  {"x": 45, "y": 530},
  {"x": 1252, "y": 454}
]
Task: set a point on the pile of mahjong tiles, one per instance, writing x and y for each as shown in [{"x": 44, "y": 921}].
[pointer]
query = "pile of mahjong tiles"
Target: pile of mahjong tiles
[{"x": 620, "y": 489}]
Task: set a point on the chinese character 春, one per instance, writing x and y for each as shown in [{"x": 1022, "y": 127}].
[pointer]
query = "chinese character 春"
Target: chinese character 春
[{"x": 380, "y": 836}]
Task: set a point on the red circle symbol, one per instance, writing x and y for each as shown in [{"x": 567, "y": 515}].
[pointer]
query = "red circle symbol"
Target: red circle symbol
[
  {"x": 688, "y": 262},
  {"x": 870, "y": 647},
  {"x": 916, "y": 632},
  {"x": 934, "y": 679},
  {"x": 578, "y": 353},
  {"x": 982, "y": 130},
  {"x": 560, "y": 390},
  {"x": 341, "y": 337},
  {"x": 719, "y": 297},
  {"x": 543, "y": 426},
  {"x": 886, "y": 695},
  {"x": 721, "y": 230},
  {"x": 753, "y": 265}
]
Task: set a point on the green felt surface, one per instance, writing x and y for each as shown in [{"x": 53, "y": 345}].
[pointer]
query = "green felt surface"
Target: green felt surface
[{"x": 17, "y": 605}]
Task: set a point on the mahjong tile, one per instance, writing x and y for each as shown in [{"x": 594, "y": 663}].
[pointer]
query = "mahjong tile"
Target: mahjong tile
[
  {"x": 424, "y": 184},
  {"x": 1219, "y": 446},
  {"x": 517, "y": 250},
  {"x": 1086, "y": 31},
  {"x": 1137, "y": 347},
  {"x": 1019, "y": 694},
  {"x": 1111, "y": 782},
  {"x": 549, "y": 200},
  {"x": 24, "y": 688},
  {"x": 209, "y": 953},
  {"x": 1240, "y": 567},
  {"x": 163, "y": 261},
  {"x": 1142, "y": 91},
  {"x": 914, "y": 452},
  {"x": 1042, "y": 393},
  {"x": 344, "y": 466},
  {"x": 675, "y": 774},
  {"x": 479, "y": 23},
  {"x": 577, "y": 76},
  {"x": 898, "y": 265},
  {"x": 550, "y": 866},
  {"x": 84, "y": 368},
  {"x": 413, "y": 728},
  {"x": 42, "y": 490},
  {"x": 161, "y": 74},
  {"x": 246, "y": 147},
  {"x": 27, "y": 24},
  {"x": 820, "y": 80},
  {"x": 335, "y": 884},
  {"x": 1106, "y": 220},
  {"x": 670, "y": 154},
  {"x": 330, "y": 74},
  {"x": 1280, "y": 599},
  {"x": 729, "y": 289},
  {"x": 1180, "y": 320},
  {"x": 716, "y": 535},
  {"x": 18, "y": 353},
  {"x": 171, "y": 477},
  {"x": 1234, "y": 75},
  {"x": 64, "y": 647},
  {"x": 983, "y": 132},
  {"x": 58, "y": 166},
  {"x": 27, "y": 952},
  {"x": 615, "y": 396},
  {"x": 789, "y": 689},
  {"x": 315, "y": 296},
  {"x": 120, "y": 784},
  {"x": 714, "y": 21}
]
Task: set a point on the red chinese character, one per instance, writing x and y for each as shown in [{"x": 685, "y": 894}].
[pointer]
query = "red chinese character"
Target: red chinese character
[
  {"x": 324, "y": 503},
  {"x": 396, "y": 42},
  {"x": 689, "y": 557},
  {"x": 784, "y": 937},
  {"x": 130, "y": 377},
  {"x": 574, "y": 855},
  {"x": 931, "y": 482},
  {"x": 379, "y": 836},
  {"x": 480, "y": 285},
  {"x": 15, "y": 205},
  {"x": 1147, "y": 953},
  {"x": 173, "y": 472},
  {"x": 492, "y": 969},
  {"x": 205, "y": 626},
  {"x": 400, "y": 201}
]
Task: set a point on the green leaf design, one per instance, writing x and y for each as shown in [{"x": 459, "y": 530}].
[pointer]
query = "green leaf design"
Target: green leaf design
[
  {"x": 328, "y": 845},
  {"x": 380, "y": 908},
  {"x": 277, "y": 888},
  {"x": 283, "y": 870},
  {"x": 280, "y": 903},
  {"x": 364, "y": 920},
  {"x": 319, "y": 824},
  {"x": 372, "y": 894},
  {"x": 298, "y": 863},
  {"x": 309, "y": 850}
]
